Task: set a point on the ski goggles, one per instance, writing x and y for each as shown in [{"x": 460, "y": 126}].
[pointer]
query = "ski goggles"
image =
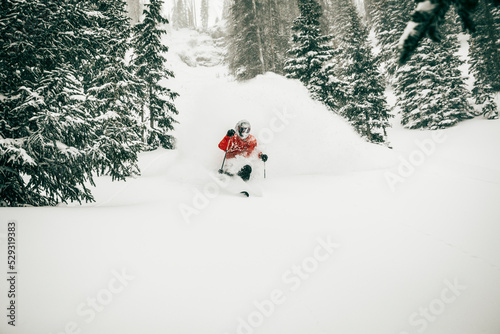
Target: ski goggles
[{"x": 242, "y": 130}]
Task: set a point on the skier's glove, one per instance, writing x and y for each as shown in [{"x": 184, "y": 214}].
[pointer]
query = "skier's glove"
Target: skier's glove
[
  {"x": 263, "y": 157},
  {"x": 231, "y": 133}
]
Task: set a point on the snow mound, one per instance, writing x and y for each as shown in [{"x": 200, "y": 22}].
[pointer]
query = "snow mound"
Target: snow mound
[{"x": 299, "y": 134}]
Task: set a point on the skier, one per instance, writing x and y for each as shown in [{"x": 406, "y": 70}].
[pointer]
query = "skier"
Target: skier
[{"x": 240, "y": 151}]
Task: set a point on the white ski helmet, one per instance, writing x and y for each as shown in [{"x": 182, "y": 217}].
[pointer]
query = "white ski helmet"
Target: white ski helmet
[{"x": 243, "y": 128}]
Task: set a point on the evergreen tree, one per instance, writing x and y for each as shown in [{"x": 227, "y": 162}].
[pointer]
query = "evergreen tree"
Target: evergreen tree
[
  {"x": 310, "y": 48},
  {"x": 484, "y": 52},
  {"x": 389, "y": 18},
  {"x": 327, "y": 85},
  {"x": 112, "y": 91},
  {"x": 150, "y": 63},
  {"x": 337, "y": 21},
  {"x": 431, "y": 92},
  {"x": 365, "y": 105},
  {"x": 43, "y": 125},
  {"x": 312, "y": 58},
  {"x": 54, "y": 127}
]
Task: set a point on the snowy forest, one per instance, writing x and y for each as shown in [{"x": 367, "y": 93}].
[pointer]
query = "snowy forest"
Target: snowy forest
[
  {"x": 74, "y": 101},
  {"x": 329, "y": 49},
  {"x": 83, "y": 85},
  {"x": 250, "y": 166}
]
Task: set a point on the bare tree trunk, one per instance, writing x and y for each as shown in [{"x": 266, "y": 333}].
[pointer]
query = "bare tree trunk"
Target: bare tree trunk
[
  {"x": 368, "y": 127},
  {"x": 151, "y": 113},
  {"x": 143, "y": 120}
]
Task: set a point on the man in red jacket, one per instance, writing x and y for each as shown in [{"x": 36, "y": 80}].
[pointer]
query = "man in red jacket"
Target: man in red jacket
[{"x": 239, "y": 150}]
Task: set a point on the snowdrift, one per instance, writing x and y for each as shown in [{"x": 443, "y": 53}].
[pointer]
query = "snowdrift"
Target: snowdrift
[{"x": 299, "y": 134}]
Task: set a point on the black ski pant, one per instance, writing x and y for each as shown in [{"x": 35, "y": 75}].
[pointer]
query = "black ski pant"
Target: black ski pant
[{"x": 245, "y": 172}]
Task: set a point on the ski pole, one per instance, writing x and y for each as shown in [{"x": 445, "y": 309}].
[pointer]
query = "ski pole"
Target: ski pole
[
  {"x": 223, "y": 161},
  {"x": 221, "y": 170},
  {"x": 264, "y": 169}
]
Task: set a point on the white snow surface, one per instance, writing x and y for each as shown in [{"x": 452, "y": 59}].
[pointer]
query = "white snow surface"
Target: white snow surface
[{"x": 334, "y": 245}]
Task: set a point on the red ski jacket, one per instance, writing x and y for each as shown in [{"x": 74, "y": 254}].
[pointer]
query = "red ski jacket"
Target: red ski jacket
[{"x": 238, "y": 146}]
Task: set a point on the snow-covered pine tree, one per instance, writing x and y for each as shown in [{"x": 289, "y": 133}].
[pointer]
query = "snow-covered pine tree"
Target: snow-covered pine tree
[
  {"x": 327, "y": 86},
  {"x": 310, "y": 48},
  {"x": 389, "y": 19},
  {"x": 69, "y": 100},
  {"x": 431, "y": 91},
  {"x": 365, "y": 105},
  {"x": 112, "y": 90},
  {"x": 44, "y": 128},
  {"x": 149, "y": 59},
  {"x": 312, "y": 58},
  {"x": 484, "y": 52}
]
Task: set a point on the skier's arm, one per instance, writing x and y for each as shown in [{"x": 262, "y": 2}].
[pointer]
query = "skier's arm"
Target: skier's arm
[
  {"x": 261, "y": 155},
  {"x": 225, "y": 143}
]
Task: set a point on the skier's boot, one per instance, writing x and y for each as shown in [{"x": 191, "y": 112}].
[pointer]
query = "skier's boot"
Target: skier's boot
[{"x": 245, "y": 172}]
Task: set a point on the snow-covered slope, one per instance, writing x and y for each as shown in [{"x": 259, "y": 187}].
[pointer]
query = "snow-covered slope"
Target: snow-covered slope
[
  {"x": 300, "y": 135},
  {"x": 349, "y": 237}
]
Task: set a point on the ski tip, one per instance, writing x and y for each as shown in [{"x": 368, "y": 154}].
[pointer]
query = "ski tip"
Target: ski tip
[{"x": 245, "y": 193}]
